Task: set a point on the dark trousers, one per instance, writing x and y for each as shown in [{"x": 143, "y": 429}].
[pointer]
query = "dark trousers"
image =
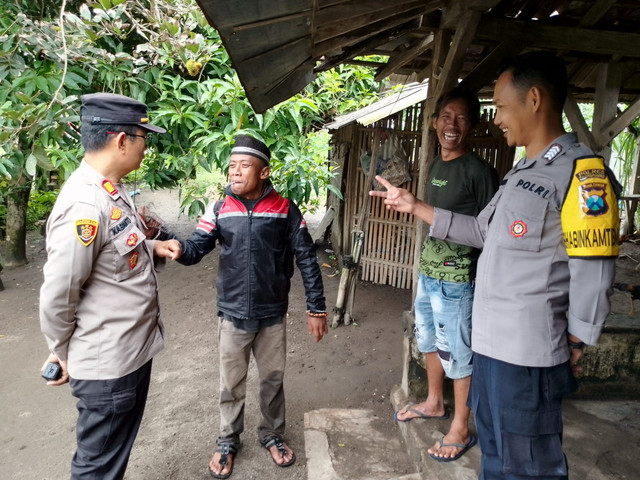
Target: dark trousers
[
  {"x": 518, "y": 416},
  {"x": 109, "y": 415}
]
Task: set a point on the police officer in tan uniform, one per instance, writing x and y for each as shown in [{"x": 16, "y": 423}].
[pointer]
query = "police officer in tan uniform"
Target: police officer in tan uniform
[{"x": 99, "y": 308}]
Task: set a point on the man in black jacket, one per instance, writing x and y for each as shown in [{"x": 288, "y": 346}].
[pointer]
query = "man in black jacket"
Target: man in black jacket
[{"x": 259, "y": 233}]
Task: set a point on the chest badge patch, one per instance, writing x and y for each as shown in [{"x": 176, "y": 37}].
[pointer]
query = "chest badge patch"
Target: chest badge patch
[
  {"x": 518, "y": 229},
  {"x": 132, "y": 239},
  {"x": 86, "y": 231},
  {"x": 133, "y": 260},
  {"x": 109, "y": 188},
  {"x": 116, "y": 213}
]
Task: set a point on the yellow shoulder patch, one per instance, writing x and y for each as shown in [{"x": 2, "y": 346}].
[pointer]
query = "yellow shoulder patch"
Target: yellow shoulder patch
[
  {"x": 590, "y": 221},
  {"x": 86, "y": 231}
]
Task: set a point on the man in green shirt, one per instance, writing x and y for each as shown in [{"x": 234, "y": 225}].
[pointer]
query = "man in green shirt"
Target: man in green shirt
[{"x": 460, "y": 181}]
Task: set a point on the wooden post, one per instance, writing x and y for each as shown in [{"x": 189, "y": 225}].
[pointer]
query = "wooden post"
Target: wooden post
[
  {"x": 442, "y": 79},
  {"x": 425, "y": 157},
  {"x": 606, "y": 104},
  {"x": 578, "y": 123}
]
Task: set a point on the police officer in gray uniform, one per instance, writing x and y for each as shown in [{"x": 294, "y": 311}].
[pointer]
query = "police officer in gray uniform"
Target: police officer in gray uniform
[
  {"x": 99, "y": 307},
  {"x": 549, "y": 239}
]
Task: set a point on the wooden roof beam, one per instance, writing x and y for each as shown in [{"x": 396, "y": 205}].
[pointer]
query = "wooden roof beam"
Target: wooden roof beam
[
  {"x": 442, "y": 41},
  {"x": 533, "y": 34},
  {"x": 350, "y": 37},
  {"x": 364, "y": 63},
  {"x": 622, "y": 121},
  {"x": 403, "y": 58},
  {"x": 462, "y": 38},
  {"x": 485, "y": 71},
  {"x": 453, "y": 11},
  {"x": 340, "y": 21},
  {"x": 596, "y": 12},
  {"x": 605, "y": 107},
  {"x": 360, "y": 49},
  {"x": 270, "y": 21},
  {"x": 578, "y": 123}
]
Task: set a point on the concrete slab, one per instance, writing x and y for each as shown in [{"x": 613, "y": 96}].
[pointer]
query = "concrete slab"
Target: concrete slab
[
  {"x": 601, "y": 441},
  {"x": 352, "y": 444},
  {"x": 421, "y": 434}
]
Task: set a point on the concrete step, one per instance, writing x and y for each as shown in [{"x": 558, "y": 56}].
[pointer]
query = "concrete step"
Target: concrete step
[
  {"x": 601, "y": 440},
  {"x": 421, "y": 434},
  {"x": 354, "y": 444}
]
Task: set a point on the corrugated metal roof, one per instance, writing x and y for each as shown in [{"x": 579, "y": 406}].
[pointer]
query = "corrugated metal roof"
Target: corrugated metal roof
[{"x": 399, "y": 99}]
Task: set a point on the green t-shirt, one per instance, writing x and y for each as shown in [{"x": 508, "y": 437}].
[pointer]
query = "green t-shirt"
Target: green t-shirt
[{"x": 463, "y": 185}]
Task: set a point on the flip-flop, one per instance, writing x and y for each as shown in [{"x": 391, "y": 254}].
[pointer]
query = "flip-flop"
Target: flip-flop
[
  {"x": 277, "y": 441},
  {"x": 464, "y": 446},
  {"x": 226, "y": 450},
  {"x": 418, "y": 414}
]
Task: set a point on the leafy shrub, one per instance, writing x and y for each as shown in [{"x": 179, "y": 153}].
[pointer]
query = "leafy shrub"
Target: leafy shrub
[{"x": 40, "y": 205}]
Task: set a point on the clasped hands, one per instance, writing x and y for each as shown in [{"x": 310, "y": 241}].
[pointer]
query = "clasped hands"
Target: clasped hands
[{"x": 168, "y": 249}]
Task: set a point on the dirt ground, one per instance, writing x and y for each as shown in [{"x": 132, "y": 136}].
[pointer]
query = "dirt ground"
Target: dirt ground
[{"x": 353, "y": 367}]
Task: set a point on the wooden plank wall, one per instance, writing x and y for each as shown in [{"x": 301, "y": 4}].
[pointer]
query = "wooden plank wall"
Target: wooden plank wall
[
  {"x": 493, "y": 149},
  {"x": 390, "y": 237}
]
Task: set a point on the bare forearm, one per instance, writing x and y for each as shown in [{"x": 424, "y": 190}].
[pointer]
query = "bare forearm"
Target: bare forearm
[{"x": 423, "y": 211}]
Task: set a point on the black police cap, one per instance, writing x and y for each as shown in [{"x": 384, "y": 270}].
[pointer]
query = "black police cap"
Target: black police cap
[{"x": 114, "y": 109}]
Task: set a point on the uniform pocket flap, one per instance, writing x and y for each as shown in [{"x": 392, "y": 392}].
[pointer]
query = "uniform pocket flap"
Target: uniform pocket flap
[
  {"x": 128, "y": 240},
  {"x": 532, "y": 423}
]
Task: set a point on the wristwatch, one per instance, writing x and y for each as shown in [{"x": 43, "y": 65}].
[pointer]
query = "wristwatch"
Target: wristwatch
[{"x": 576, "y": 345}]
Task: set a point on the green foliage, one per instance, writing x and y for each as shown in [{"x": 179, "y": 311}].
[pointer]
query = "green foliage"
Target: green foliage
[
  {"x": 40, "y": 204},
  {"x": 624, "y": 148},
  {"x": 342, "y": 90},
  {"x": 163, "y": 53},
  {"x": 302, "y": 169}
]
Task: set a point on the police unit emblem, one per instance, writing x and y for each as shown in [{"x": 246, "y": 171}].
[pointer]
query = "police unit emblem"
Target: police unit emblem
[
  {"x": 86, "y": 231},
  {"x": 132, "y": 239},
  {"x": 518, "y": 228},
  {"x": 133, "y": 260},
  {"x": 116, "y": 213},
  {"x": 593, "y": 198},
  {"x": 109, "y": 188}
]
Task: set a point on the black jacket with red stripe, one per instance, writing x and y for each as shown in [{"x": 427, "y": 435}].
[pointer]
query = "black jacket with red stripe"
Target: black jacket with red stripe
[{"x": 256, "y": 255}]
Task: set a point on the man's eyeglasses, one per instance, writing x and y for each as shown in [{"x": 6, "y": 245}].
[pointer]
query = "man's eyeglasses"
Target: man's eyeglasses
[{"x": 146, "y": 137}]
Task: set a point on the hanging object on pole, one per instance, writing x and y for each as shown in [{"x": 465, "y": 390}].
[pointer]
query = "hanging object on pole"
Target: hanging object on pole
[{"x": 343, "y": 311}]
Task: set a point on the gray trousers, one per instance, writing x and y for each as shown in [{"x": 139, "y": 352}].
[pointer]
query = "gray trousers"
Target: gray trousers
[{"x": 269, "y": 347}]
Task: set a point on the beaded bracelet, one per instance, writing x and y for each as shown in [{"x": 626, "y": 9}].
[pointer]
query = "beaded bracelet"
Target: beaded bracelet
[{"x": 316, "y": 314}]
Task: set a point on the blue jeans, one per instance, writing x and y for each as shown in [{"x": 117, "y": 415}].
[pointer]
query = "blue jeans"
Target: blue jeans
[
  {"x": 518, "y": 417},
  {"x": 443, "y": 323}
]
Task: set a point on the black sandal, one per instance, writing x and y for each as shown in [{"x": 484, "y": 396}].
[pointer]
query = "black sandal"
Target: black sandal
[
  {"x": 225, "y": 449},
  {"x": 277, "y": 441}
]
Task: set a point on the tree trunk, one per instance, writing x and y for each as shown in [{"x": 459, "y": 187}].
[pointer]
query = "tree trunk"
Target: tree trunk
[{"x": 16, "y": 232}]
